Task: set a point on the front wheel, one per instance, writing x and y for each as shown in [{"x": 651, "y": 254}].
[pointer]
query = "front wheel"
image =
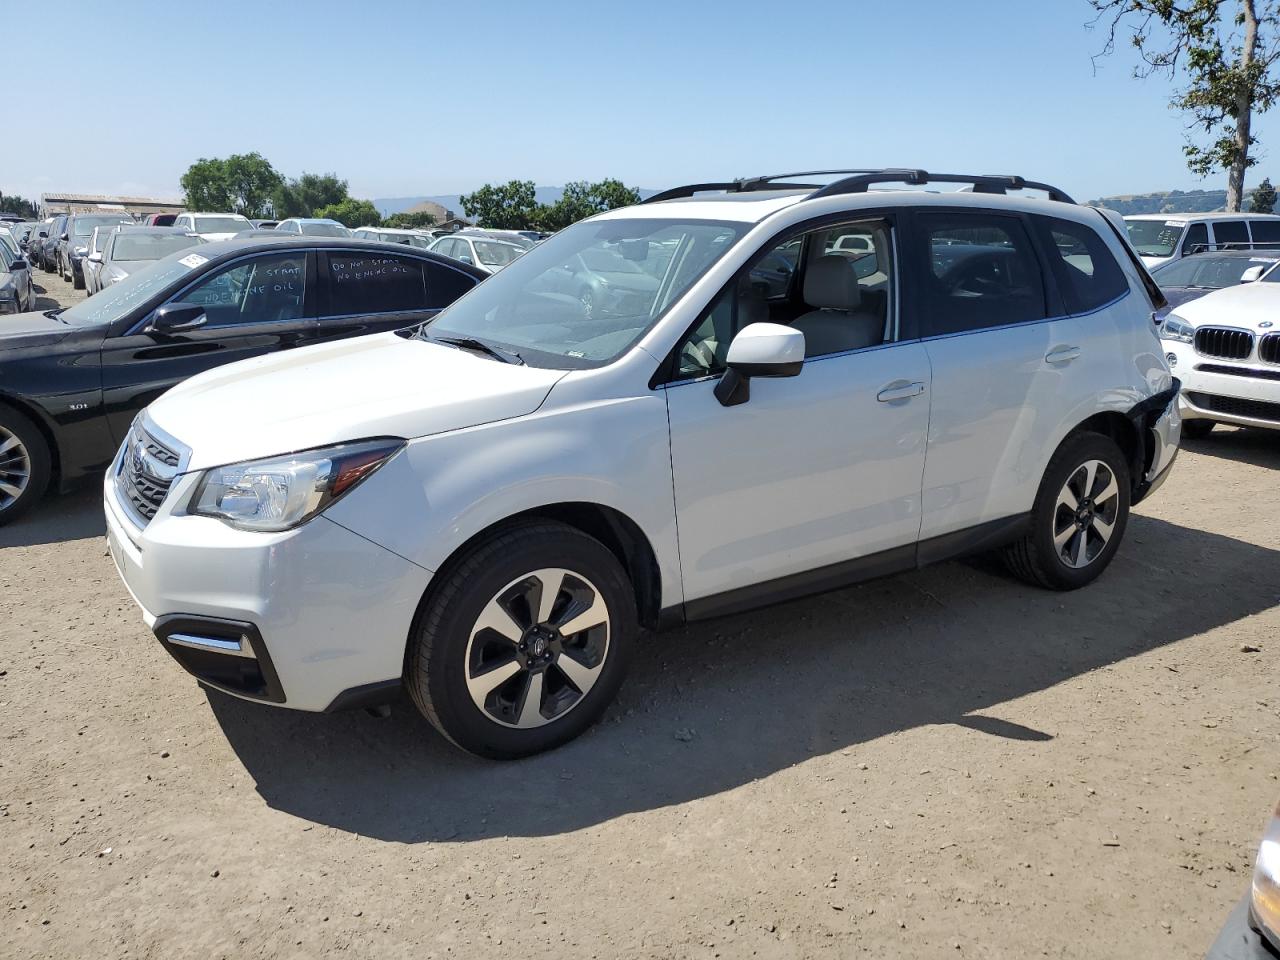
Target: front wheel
[
  {"x": 1079, "y": 515},
  {"x": 24, "y": 464},
  {"x": 524, "y": 643}
]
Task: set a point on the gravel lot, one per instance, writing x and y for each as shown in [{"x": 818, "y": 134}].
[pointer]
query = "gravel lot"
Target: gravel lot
[{"x": 944, "y": 763}]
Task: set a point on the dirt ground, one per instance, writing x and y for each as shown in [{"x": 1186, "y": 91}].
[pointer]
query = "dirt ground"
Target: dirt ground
[{"x": 946, "y": 763}]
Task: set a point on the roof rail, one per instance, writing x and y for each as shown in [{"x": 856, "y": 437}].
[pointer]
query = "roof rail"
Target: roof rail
[
  {"x": 1240, "y": 245},
  {"x": 857, "y": 181}
]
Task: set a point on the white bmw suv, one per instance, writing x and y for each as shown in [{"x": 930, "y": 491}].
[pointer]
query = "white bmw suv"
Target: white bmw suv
[{"x": 784, "y": 387}]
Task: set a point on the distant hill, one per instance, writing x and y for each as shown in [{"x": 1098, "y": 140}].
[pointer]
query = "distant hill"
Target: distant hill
[
  {"x": 392, "y": 205},
  {"x": 1166, "y": 201}
]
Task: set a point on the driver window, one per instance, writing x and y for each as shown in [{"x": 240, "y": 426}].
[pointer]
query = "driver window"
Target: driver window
[
  {"x": 254, "y": 291},
  {"x": 983, "y": 272}
]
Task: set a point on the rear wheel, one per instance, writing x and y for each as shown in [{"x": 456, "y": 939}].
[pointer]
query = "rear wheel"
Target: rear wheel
[
  {"x": 1197, "y": 429},
  {"x": 24, "y": 464},
  {"x": 1079, "y": 516},
  {"x": 524, "y": 643}
]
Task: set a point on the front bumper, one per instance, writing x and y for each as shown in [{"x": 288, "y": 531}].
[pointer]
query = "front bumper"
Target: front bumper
[
  {"x": 1246, "y": 394},
  {"x": 301, "y": 618},
  {"x": 1239, "y": 940}
]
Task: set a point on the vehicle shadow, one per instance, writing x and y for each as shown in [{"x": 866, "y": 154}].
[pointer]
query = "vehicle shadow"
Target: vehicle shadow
[
  {"x": 73, "y": 516},
  {"x": 719, "y": 704},
  {"x": 1260, "y": 448}
]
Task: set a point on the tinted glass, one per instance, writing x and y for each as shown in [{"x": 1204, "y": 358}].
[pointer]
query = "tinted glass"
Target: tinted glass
[
  {"x": 445, "y": 285},
  {"x": 325, "y": 230},
  {"x": 84, "y": 225},
  {"x": 1197, "y": 239},
  {"x": 1230, "y": 231},
  {"x": 377, "y": 283},
  {"x": 222, "y": 224},
  {"x": 982, "y": 273},
  {"x": 263, "y": 289},
  {"x": 141, "y": 246},
  {"x": 1086, "y": 273},
  {"x": 1207, "y": 270},
  {"x": 1265, "y": 231}
]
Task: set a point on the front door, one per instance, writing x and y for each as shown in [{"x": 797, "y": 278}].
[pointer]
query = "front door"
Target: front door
[{"x": 255, "y": 305}]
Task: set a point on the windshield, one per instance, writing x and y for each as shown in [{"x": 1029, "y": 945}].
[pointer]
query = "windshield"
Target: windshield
[
  {"x": 1207, "y": 271},
  {"x": 141, "y": 246},
  {"x": 118, "y": 299},
  {"x": 1154, "y": 238},
  {"x": 555, "y": 311},
  {"x": 222, "y": 224},
  {"x": 496, "y": 254},
  {"x": 324, "y": 229},
  {"x": 84, "y": 225}
]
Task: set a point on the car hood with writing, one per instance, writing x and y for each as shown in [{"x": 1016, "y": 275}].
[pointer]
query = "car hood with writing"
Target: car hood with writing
[
  {"x": 1248, "y": 306},
  {"x": 383, "y": 385},
  {"x": 30, "y": 329}
]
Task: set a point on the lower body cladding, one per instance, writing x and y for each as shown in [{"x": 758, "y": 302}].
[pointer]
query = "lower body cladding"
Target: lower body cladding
[
  {"x": 1244, "y": 393},
  {"x": 313, "y": 618}
]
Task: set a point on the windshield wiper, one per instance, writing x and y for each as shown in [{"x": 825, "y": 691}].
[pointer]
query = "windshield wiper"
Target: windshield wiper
[{"x": 488, "y": 349}]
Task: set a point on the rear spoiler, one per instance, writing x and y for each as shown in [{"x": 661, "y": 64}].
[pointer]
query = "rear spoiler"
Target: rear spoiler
[{"x": 1110, "y": 217}]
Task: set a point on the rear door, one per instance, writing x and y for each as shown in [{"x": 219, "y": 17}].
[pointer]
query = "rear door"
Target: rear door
[
  {"x": 260, "y": 303},
  {"x": 983, "y": 308},
  {"x": 368, "y": 291}
]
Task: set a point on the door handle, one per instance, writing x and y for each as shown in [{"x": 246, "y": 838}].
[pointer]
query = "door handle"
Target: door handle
[
  {"x": 900, "y": 390},
  {"x": 1062, "y": 354}
]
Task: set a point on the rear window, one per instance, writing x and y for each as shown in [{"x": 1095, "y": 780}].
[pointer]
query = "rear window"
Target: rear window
[
  {"x": 1086, "y": 273},
  {"x": 379, "y": 283}
]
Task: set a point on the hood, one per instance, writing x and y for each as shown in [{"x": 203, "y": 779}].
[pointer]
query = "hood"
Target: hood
[
  {"x": 1177, "y": 296},
  {"x": 375, "y": 386},
  {"x": 30, "y": 330},
  {"x": 1251, "y": 306}
]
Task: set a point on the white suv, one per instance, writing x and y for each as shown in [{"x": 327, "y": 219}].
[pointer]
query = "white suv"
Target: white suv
[
  {"x": 486, "y": 508},
  {"x": 1161, "y": 238}
]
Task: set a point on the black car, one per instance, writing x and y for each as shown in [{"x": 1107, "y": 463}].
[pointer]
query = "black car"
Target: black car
[
  {"x": 72, "y": 380},
  {"x": 47, "y": 248},
  {"x": 1192, "y": 276}
]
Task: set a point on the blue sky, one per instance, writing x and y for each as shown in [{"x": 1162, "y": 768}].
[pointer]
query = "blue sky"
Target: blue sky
[{"x": 420, "y": 98}]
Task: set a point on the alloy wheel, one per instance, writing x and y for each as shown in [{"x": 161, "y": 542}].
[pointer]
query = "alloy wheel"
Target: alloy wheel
[
  {"x": 1085, "y": 514},
  {"x": 15, "y": 468},
  {"x": 537, "y": 648}
]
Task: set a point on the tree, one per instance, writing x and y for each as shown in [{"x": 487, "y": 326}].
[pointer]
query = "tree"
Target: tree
[
  {"x": 1225, "y": 50},
  {"x": 302, "y": 196},
  {"x": 581, "y": 199},
  {"x": 1263, "y": 198},
  {"x": 13, "y": 204},
  {"x": 351, "y": 213},
  {"x": 242, "y": 183},
  {"x": 410, "y": 221},
  {"x": 510, "y": 206}
]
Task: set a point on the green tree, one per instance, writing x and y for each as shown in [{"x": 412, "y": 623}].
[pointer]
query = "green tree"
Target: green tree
[
  {"x": 581, "y": 199},
  {"x": 1263, "y": 198},
  {"x": 20, "y": 206},
  {"x": 242, "y": 183},
  {"x": 351, "y": 213},
  {"x": 1224, "y": 52},
  {"x": 410, "y": 221},
  {"x": 302, "y": 196},
  {"x": 510, "y": 206}
]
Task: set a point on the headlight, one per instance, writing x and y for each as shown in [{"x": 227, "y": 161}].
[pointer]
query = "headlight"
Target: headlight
[
  {"x": 283, "y": 492},
  {"x": 1175, "y": 328},
  {"x": 1265, "y": 897}
]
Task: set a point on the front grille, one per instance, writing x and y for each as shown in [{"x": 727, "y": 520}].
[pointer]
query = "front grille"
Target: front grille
[
  {"x": 1224, "y": 342},
  {"x": 147, "y": 470},
  {"x": 1269, "y": 348},
  {"x": 1236, "y": 406},
  {"x": 1239, "y": 371}
]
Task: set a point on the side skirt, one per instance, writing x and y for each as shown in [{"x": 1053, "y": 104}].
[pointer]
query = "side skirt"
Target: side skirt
[{"x": 979, "y": 539}]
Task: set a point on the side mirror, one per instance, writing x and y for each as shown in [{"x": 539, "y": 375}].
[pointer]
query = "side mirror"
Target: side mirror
[
  {"x": 176, "y": 317},
  {"x": 759, "y": 350},
  {"x": 17, "y": 265},
  {"x": 95, "y": 258},
  {"x": 65, "y": 237},
  {"x": 1253, "y": 273}
]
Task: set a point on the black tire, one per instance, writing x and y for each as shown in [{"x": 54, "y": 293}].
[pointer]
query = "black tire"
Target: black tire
[
  {"x": 1197, "y": 429},
  {"x": 39, "y": 464},
  {"x": 77, "y": 282},
  {"x": 436, "y": 668},
  {"x": 1035, "y": 558}
]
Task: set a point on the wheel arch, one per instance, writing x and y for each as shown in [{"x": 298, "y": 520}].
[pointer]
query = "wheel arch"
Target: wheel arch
[
  {"x": 37, "y": 416},
  {"x": 621, "y": 535},
  {"x": 1120, "y": 429}
]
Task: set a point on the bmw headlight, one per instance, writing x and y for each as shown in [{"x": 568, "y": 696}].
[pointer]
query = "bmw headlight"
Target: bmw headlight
[
  {"x": 1264, "y": 899},
  {"x": 283, "y": 492},
  {"x": 1175, "y": 328}
]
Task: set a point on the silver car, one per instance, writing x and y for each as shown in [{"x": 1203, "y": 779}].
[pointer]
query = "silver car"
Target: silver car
[
  {"x": 93, "y": 262},
  {"x": 17, "y": 293},
  {"x": 129, "y": 249}
]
